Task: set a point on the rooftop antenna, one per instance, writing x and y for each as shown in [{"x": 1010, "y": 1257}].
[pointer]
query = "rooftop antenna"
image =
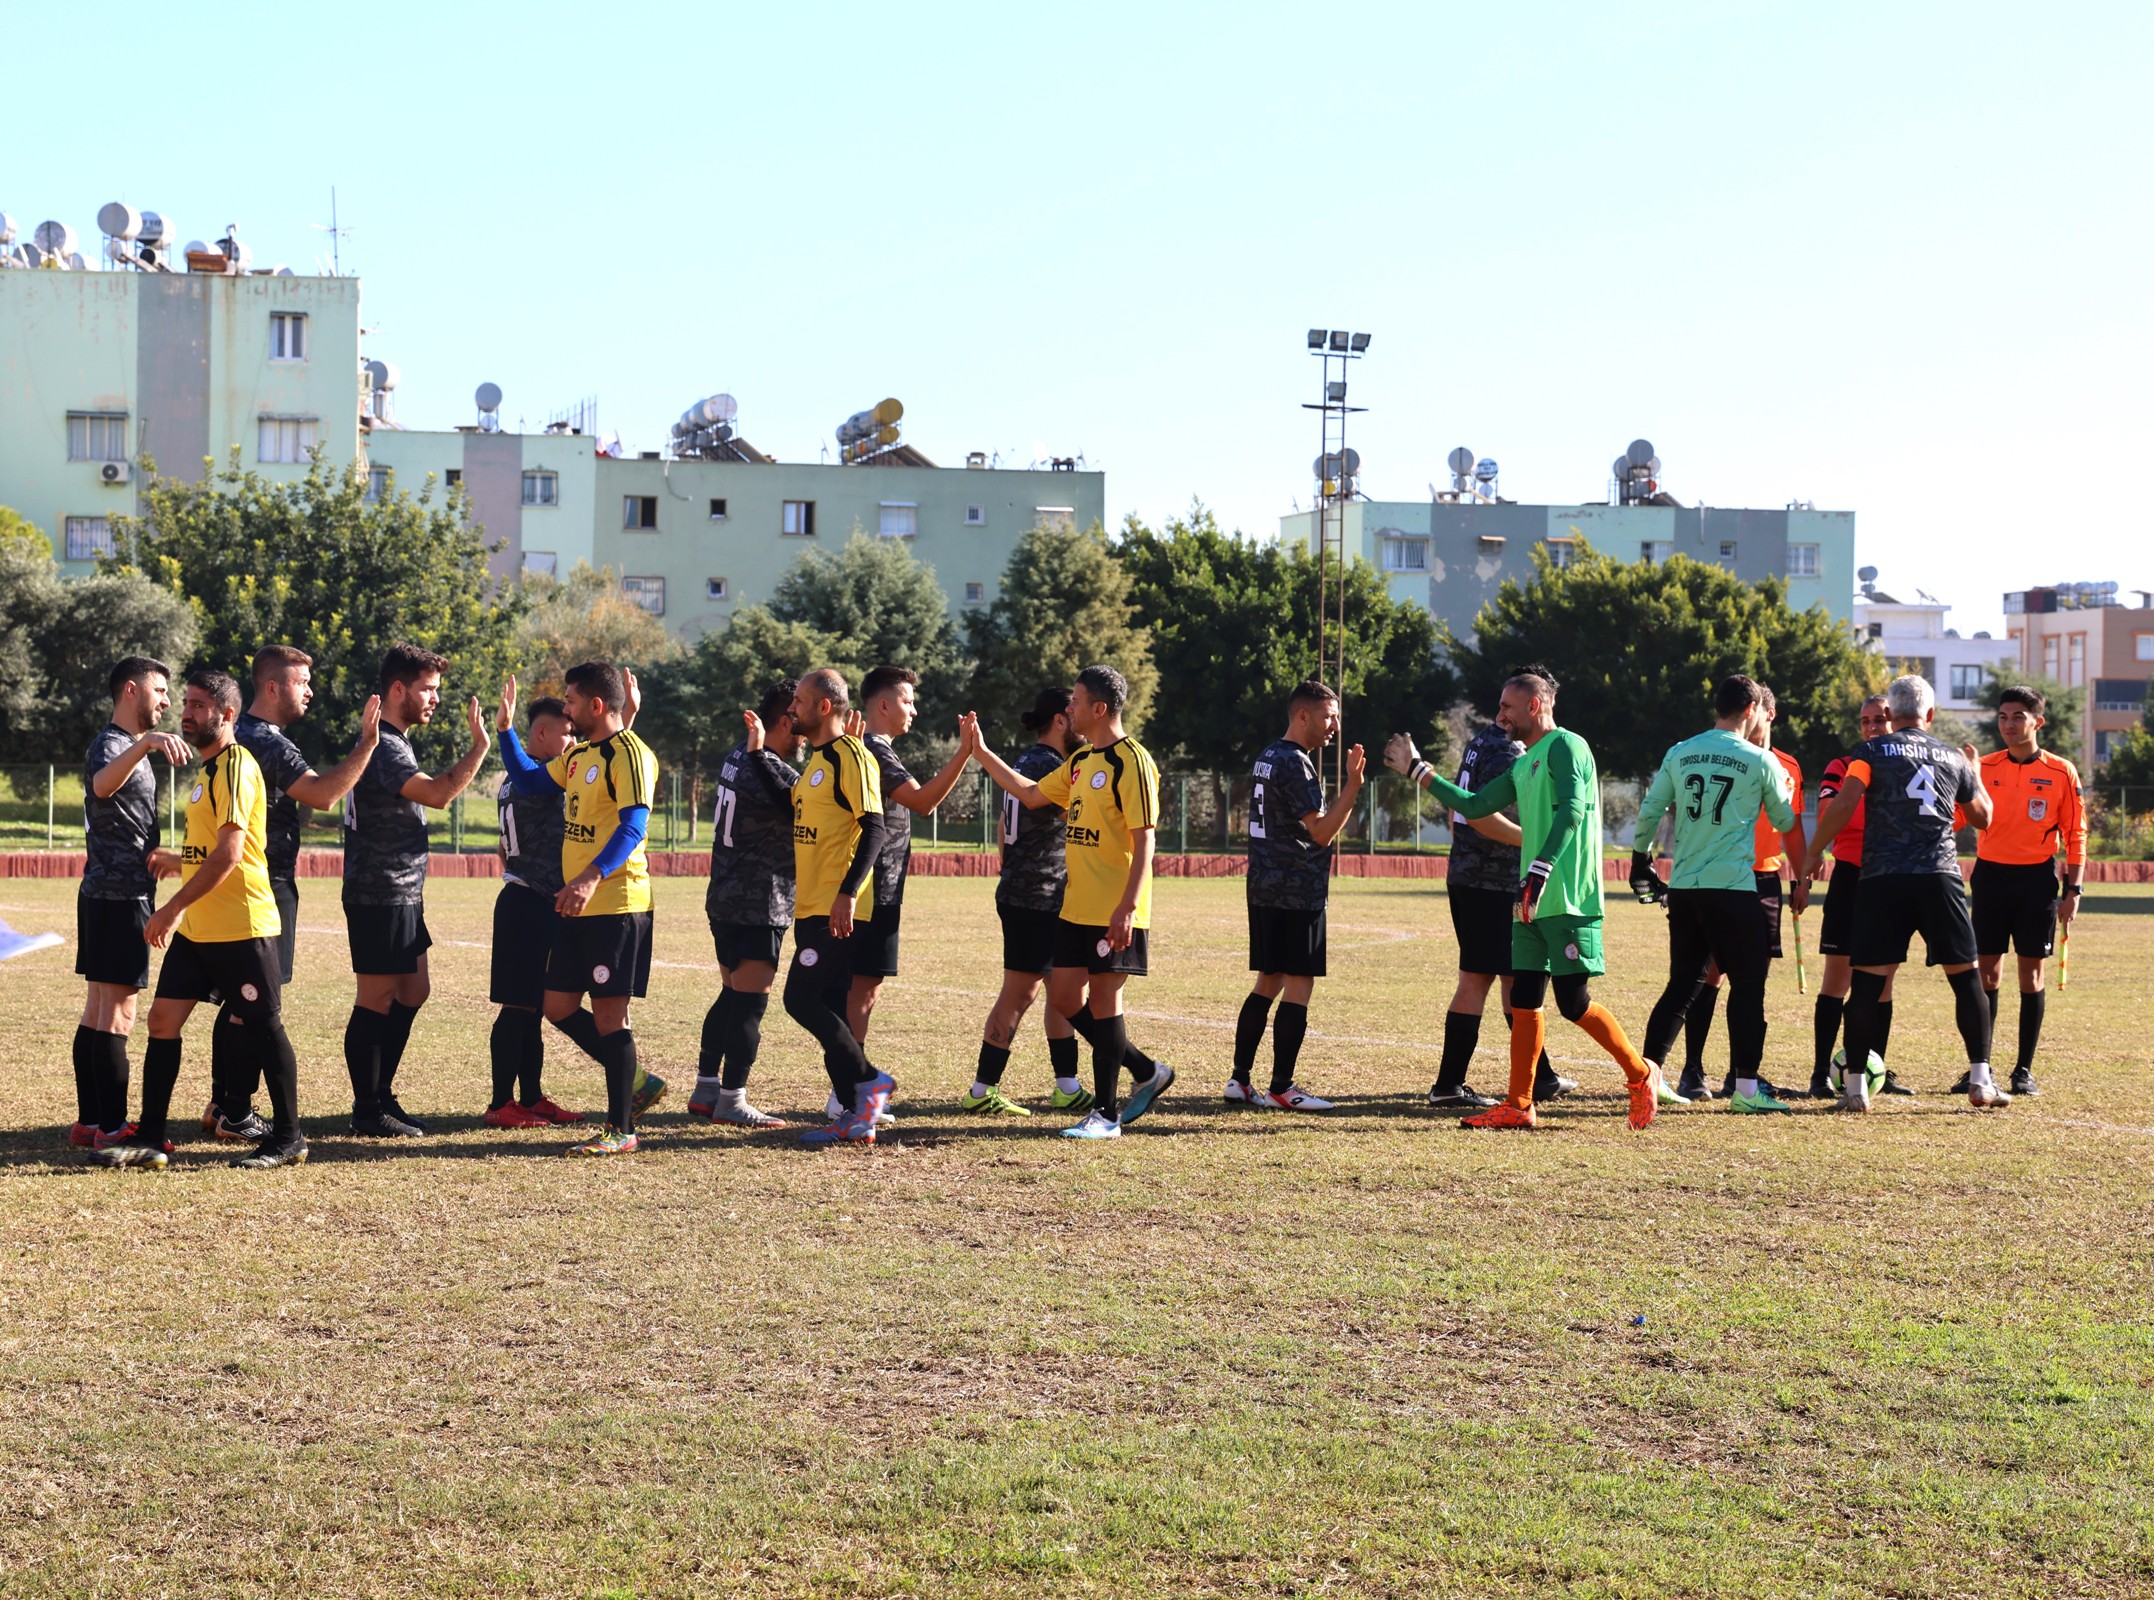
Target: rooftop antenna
[
  {"x": 488, "y": 399},
  {"x": 336, "y": 235}
]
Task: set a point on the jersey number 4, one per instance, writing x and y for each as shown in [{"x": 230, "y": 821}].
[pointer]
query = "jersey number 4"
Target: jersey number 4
[
  {"x": 1722, "y": 788},
  {"x": 1922, "y": 789}
]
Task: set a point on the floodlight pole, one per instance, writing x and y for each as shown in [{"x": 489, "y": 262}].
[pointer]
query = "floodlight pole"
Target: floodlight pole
[{"x": 1334, "y": 489}]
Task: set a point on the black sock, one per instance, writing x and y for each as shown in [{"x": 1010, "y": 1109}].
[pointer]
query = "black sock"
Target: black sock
[
  {"x": 530, "y": 1091},
  {"x": 717, "y": 1033},
  {"x": 1698, "y": 1029},
  {"x": 618, "y": 1056},
  {"x": 1971, "y": 1012},
  {"x": 820, "y": 1008},
  {"x": 1062, "y": 1057},
  {"x": 245, "y": 1077},
  {"x": 228, "y": 1041},
  {"x": 1248, "y": 1034},
  {"x": 1884, "y": 1030},
  {"x": 362, "y": 1059},
  {"x": 1141, "y": 1066},
  {"x": 1286, "y": 1036},
  {"x": 2031, "y": 1007},
  {"x": 1862, "y": 1019},
  {"x": 108, "y": 1085},
  {"x": 278, "y": 1066},
  {"x": 582, "y": 1030},
  {"x": 993, "y": 1058},
  {"x": 1461, "y": 1032},
  {"x": 1666, "y": 1020},
  {"x": 395, "y": 1035},
  {"x": 85, "y": 1076},
  {"x": 506, "y": 1050},
  {"x": 746, "y": 1042},
  {"x": 1825, "y": 1033},
  {"x": 160, "y": 1071},
  {"x": 1992, "y": 997},
  {"x": 1110, "y": 1041}
]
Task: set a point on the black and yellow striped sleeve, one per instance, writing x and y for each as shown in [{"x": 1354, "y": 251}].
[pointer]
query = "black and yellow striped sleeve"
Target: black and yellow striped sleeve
[
  {"x": 1140, "y": 808},
  {"x": 634, "y": 770},
  {"x": 860, "y": 779}
]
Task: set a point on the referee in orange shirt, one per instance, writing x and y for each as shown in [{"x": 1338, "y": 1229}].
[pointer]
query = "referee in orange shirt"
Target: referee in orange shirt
[{"x": 2018, "y": 903}]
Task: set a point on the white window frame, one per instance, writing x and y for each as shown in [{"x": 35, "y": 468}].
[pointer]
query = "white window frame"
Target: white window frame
[
  {"x": 1957, "y": 674},
  {"x": 545, "y": 561},
  {"x": 1655, "y": 550},
  {"x": 975, "y": 593},
  {"x": 1054, "y": 516},
  {"x": 88, "y": 538},
  {"x": 632, "y": 513},
  {"x": 542, "y": 487},
  {"x": 287, "y": 441},
  {"x": 1727, "y": 549},
  {"x": 718, "y": 508},
  {"x": 2143, "y": 647},
  {"x": 1804, "y": 561},
  {"x": 975, "y": 516},
  {"x": 1400, "y": 548},
  {"x": 1561, "y": 552},
  {"x": 796, "y": 519},
  {"x": 287, "y": 336},
  {"x": 97, "y": 436},
  {"x": 898, "y": 519},
  {"x": 648, "y": 592},
  {"x": 717, "y": 589}
]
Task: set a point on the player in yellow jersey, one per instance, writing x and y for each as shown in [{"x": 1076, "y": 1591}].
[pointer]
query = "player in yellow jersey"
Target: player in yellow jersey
[
  {"x": 602, "y": 946},
  {"x": 219, "y": 933},
  {"x": 837, "y": 835},
  {"x": 1109, "y": 791}
]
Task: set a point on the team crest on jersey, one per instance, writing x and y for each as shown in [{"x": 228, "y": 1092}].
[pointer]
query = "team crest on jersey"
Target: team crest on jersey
[
  {"x": 1099, "y": 780},
  {"x": 197, "y": 795},
  {"x": 248, "y": 991},
  {"x": 590, "y": 774},
  {"x": 1076, "y": 807},
  {"x": 815, "y": 778},
  {"x": 1104, "y": 948},
  {"x": 2037, "y": 808},
  {"x": 600, "y": 973},
  {"x": 1570, "y": 951},
  {"x": 808, "y": 958}
]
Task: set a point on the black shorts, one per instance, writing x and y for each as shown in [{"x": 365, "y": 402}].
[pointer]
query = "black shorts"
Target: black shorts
[
  {"x": 1288, "y": 941},
  {"x": 738, "y": 942},
  {"x": 1895, "y": 906},
  {"x": 603, "y": 956},
  {"x": 287, "y": 893},
  {"x": 1084, "y": 946},
  {"x": 820, "y": 962},
  {"x": 1836, "y": 935},
  {"x": 1718, "y": 927},
  {"x": 386, "y": 941},
  {"x": 874, "y": 952},
  {"x": 2015, "y": 907},
  {"x": 242, "y": 973},
  {"x": 1028, "y": 938},
  {"x": 1771, "y": 892},
  {"x": 524, "y": 925},
  {"x": 1481, "y": 922},
  {"x": 109, "y": 947}
]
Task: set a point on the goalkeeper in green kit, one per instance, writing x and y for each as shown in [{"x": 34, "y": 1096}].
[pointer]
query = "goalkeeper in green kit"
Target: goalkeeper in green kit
[{"x": 1556, "y": 939}]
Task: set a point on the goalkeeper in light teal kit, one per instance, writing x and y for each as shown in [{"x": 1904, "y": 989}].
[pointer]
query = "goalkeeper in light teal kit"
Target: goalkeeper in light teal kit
[
  {"x": 1556, "y": 939},
  {"x": 1717, "y": 784}
]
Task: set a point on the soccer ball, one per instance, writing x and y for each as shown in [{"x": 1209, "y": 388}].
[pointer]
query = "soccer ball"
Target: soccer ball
[{"x": 1836, "y": 1074}]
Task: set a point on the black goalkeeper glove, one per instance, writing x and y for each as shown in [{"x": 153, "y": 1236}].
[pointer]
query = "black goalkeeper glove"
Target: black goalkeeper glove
[
  {"x": 1644, "y": 881},
  {"x": 1529, "y": 892}
]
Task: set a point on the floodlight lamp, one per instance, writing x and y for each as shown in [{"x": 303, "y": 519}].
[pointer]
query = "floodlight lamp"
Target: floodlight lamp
[
  {"x": 1317, "y": 336},
  {"x": 1335, "y": 391},
  {"x": 1339, "y": 337},
  {"x": 1361, "y": 342}
]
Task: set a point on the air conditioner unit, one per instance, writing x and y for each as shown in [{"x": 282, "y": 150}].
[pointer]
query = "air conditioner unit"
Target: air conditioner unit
[{"x": 115, "y": 472}]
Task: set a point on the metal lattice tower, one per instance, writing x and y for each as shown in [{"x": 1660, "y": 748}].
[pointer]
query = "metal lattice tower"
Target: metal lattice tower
[{"x": 1337, "y": 470}]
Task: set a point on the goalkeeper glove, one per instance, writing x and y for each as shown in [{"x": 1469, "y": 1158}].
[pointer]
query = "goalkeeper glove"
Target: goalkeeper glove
[
  {"x": 1644, "y": 881},
  {"x": 1529, "y": 892}
]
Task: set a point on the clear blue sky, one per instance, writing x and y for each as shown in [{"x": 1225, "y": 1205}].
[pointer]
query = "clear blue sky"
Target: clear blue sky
[{"x": 1889, "y": 258}]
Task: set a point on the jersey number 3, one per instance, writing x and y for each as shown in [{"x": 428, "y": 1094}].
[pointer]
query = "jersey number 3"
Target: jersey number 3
[{"x": 1256, "y": 812}]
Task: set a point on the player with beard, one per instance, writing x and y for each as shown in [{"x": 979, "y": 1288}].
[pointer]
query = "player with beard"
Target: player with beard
[{"x": 1836, "y": 932}]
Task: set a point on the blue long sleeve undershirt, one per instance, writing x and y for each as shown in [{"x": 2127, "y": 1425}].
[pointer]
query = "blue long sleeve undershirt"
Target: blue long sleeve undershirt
[{"x": 526, "y": 776}]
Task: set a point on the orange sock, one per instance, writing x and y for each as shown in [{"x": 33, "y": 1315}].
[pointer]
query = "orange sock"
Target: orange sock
[
  {"x": 1529, "y": 1033},
  {"x": 1606, "y": 1032}
]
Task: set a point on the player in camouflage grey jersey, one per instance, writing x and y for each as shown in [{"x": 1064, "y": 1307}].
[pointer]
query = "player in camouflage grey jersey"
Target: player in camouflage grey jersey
[
  {"x": 1288, "y": 885},
  {"x": 749, "y": 905},
  {"x": 112, "y": 905}
]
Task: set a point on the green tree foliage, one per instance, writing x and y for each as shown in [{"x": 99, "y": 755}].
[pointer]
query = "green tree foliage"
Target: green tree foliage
[
  {"x": 1637, "y": 648},
  {"x": 2131, "y": 759},
  {"x": 890, "y": 611},
  {"x": 58, "y": 640},
  {"x": 316, "y": 565},
  {"x": 2060, "y": 723},
  {"x": 1065, "y": 604},
  {"x": 1233, "y": 625},
  {"x": 584, "y": 617}
]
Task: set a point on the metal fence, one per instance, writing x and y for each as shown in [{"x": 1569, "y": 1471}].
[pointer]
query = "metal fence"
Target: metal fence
[{"x": 1201, "y": 813}]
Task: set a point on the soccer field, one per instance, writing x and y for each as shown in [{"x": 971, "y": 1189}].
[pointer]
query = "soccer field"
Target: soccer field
[{"x": 1234, "y": 1353}]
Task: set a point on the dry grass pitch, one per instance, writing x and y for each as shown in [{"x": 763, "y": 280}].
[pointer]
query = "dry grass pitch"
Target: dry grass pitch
[{"x": 1233, "y": 1354}]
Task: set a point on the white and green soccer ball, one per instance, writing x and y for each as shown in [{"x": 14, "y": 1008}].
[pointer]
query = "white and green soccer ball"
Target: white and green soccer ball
[{"x": 1836, "y": 1074}]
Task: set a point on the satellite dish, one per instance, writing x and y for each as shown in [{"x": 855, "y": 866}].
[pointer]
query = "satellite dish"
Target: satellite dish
[
  {"x": 1351, "y": 461},
  {"x": 488, "y": 397},
  {"x": 383, "y": 373},
  {"x": 1867, "y": 574},
  {"x": 1640, "y": 452},
  {"x": 117, "y": 220},
  {"x": 76, "y": 263},
  {"x": 1621, "y": 468},
  {"x": 153, "y": 230},
  {"x": 31, "y": 255},
  {"x": 1485, "y": 469},
  {"x": 1460, "y": 461},
  {"x": 1652, "y": 468},
  {"x": 55, "y": 239}
]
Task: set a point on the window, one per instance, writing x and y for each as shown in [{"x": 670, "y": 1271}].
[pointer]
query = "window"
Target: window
[
  {"x": 715, "y": 589},
  {"x": 1967, "y": 681},
  {"x": 2119, "y": 694},
  {"x": 542, "y": 489},
  {"x": 898, "y": 521},
  {"x": 454, "y": 476},
  {"x": 717, "y": 511},
  {"x": 798, "y": 519},
  {"x": 2052, "y": 656},
  {"x": 1727, "y": 549},
  {"x": 88, "y": 538},
  {"x": 287, "y": 336},
  {"x": 541, "y": 561},
  {"x": 2143, "y": 647},
  {"x": 649, "y": 593},
  {"x": 1561, "y": 552},
  {"x": 976, "y": 517},
  {"x": 1405, "y": 555},
  {"x": 975, "y": 593},
  {"x": 2075, "y": 660},
  {"x": 1056, "y": 516},
  {"x": 377, "y": 484},
  {"x": 286, "y": 439},
  {"x": 639, "y": 511},
  {"x": 2106, "y": 741},
  {"x": 1655, "y": 549},
  {"x": 97, "y": 436},
  {"x": 1802, "y": 560}
]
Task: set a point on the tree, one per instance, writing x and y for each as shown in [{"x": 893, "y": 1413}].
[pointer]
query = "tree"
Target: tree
[
  {"x": 889, "y": 611},
  {"x": 1065, "y": 604},
  {"x": 317, "y": 565},
  {"x": 2060, "y": 723},
  {"x": 1233, "y": 625},
  {"x": 585, "y": 617},
  {"x": 1637, "y": 648},
  {"x": 2131, "y": 759}
]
